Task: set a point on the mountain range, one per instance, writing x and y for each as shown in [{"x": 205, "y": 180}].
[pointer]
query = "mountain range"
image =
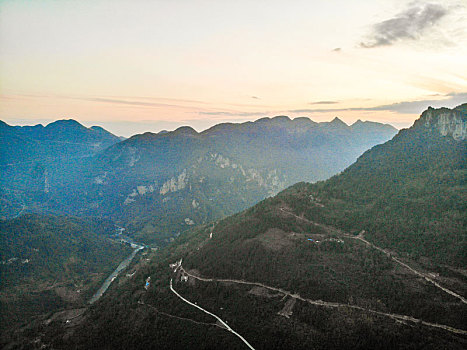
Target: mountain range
[{"x": 159, "y": 185}]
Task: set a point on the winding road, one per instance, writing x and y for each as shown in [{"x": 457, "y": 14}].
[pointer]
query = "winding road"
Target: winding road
[
  {"x": 396, "y": 317},
  {"x": 227, "y": 327}
]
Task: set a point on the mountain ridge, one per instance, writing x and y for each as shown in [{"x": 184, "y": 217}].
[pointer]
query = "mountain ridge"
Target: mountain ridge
[
  {"x": 194, "y": 177},
  {"x": 247, "y": 162}
]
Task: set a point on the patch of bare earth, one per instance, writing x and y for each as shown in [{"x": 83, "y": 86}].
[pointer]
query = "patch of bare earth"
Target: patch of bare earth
[
  {"x": 69, "y": 317},
  {"x": 275, "y": 239},
  {"x": 287, "y": 310},
  {"x": 67, "y": 294}
]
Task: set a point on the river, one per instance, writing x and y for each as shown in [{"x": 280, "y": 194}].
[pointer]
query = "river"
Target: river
[{"x": 123, "y": 265}]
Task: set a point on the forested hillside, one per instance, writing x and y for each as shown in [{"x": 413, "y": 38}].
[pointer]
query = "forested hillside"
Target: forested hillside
[
  {"x": 35, "y": 159},
  {"x": 408, "y": 194},
  {"x": 51, "y": 262}
]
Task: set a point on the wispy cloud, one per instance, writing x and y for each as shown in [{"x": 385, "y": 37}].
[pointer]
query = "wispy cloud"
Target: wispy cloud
[
  {"x": 405, "y": 107},
  {"x": 323, "y": 102},
  {"x": 235, "y": 114},
  {"x": 409, "y": 24},
  {"x": 128, "y": 102},
  {"x": 416, "y": 107}
]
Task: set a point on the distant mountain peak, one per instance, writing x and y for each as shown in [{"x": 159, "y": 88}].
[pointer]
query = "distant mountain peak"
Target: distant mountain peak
[
  {"x": 65, "y": 123},
  {"x": 303, "y": 119},
  {"x": 281, "y": 119},
  {"x": 304, "y": 122},
  {"x": 337, "y": 121},
  {"x": 101, "y": 131},
  {"x": 276, "y": 119},
  {"x": 186, "y": 130}
]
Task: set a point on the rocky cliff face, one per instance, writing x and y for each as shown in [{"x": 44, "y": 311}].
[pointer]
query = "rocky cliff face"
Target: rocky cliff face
[{"x": 447, "y": 122}]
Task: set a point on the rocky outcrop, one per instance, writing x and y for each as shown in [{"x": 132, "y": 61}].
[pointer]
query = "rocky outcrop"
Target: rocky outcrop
[
  {"x": 175, "y": 183},
  {"x": 140, "y": 190},
  {"x": 448, "y": 122}
]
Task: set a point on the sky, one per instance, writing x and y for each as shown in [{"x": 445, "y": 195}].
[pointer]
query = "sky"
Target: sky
[{"x": 140, "y": 65}]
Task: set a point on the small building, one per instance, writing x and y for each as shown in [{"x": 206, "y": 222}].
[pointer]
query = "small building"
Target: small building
[{"x": 148, "y": 283}]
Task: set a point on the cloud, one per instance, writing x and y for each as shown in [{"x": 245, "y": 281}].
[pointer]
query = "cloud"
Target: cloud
[
  {"x": 234, "y": 114},
  {"x": 324, "y": 103},
  {"x": 255, "y": 97},
  {"x": 337, "y": 49},
  {"x": 127, "y": 102},
  {"x": 451, "y": 100},
  {"x": 409, "y": 24},
  {"x": 416, "y": 107}
]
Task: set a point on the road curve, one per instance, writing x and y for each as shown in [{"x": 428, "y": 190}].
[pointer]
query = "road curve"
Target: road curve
[{"x": 210, "y": 313}]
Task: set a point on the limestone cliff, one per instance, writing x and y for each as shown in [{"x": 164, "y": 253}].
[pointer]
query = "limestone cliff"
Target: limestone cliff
[{"x": 448, "y": 122}]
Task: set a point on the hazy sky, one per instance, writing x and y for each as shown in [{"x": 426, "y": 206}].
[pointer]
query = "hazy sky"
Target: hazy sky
[{"x": 138, "y": 65}]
